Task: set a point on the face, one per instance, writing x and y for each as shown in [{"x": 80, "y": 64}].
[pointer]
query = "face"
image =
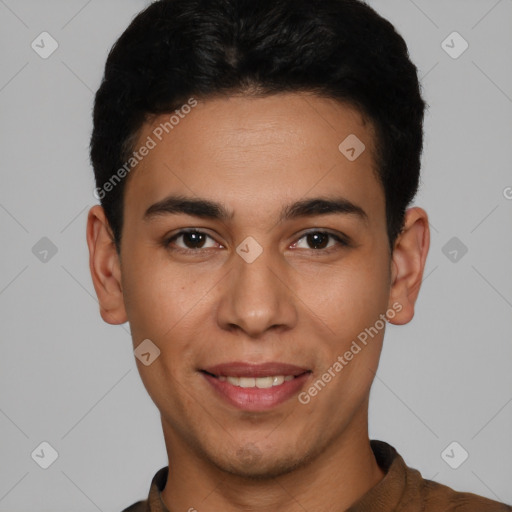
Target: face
[{"x": 250, "y": 299}]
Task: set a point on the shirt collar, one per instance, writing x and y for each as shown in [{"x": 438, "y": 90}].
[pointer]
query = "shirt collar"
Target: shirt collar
[
  {"x": 389, "y": 492},
  {"x": 155, "y": 503}
]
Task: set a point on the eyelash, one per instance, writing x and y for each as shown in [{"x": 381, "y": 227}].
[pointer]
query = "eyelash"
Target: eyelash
[{"x": 342, "y": 241}]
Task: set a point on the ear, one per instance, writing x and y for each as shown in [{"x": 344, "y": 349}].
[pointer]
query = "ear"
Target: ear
[
  {"x": 407, "y": 264},
  {"x": 105, "y": 267}
]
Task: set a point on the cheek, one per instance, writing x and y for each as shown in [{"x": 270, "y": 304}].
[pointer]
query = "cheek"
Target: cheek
[
  {"x": 171, "y": 308},
  {"x": 347, "y": 296},
  {"x": 357, "y": 297},
  {"x": 159, "y": 295},
  {"x": 165, "y": 307},
  {"x": 369, "y": 291}
]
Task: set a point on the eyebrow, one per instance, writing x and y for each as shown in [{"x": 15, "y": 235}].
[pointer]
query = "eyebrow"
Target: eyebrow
[{"x": 206, "y": 209}]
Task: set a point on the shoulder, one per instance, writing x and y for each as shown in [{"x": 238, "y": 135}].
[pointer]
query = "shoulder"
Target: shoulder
[
  {"x": 441, "y": 497},
  {"x": 405, "y": 489}
]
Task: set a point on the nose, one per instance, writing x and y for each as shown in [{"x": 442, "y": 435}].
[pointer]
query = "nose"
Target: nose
[{"x": 256, "y": 295}]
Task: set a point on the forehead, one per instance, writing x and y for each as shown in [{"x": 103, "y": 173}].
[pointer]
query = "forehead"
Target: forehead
[{"x": 254, "y": 151}]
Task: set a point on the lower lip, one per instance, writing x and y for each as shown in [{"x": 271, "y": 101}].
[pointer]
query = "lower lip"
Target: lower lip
[{"x": 256, "y": 399}]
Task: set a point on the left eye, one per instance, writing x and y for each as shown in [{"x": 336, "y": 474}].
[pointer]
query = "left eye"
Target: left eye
[{"x": 320, "y": 240}]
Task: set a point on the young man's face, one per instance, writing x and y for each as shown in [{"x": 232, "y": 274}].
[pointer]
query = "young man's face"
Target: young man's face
[{"x": 213, "y": 299}]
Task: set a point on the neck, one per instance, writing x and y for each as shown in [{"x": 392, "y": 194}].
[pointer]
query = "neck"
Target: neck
[{"x": 332, "y": 481}]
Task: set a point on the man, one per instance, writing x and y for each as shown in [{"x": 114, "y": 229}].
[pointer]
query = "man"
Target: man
[{"x": 255, "y": 161}]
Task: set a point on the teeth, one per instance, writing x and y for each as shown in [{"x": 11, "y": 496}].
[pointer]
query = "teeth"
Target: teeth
[
  {"x": 260, "y": 382},
  {"x": 277, "y": 380},
  {"x": 264, "y": 382},
  {"x": 247, "y": 382}
]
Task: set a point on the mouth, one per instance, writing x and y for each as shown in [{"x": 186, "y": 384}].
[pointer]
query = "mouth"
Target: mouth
[
  {"x": 255, "y": 382},
  {"x": 256, "y": 387}
]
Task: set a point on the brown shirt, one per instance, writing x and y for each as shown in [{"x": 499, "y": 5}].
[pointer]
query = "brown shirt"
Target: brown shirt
[{"x": 403, "y": 489}]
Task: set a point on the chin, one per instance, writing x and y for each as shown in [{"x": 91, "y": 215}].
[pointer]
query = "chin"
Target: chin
[{"x": 249, "y": 462}]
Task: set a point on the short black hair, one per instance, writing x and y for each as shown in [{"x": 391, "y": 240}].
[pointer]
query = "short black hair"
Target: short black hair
[{"x": 341, "y": 49}]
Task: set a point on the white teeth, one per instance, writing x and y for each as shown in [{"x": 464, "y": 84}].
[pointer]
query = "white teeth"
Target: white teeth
[
  {"x": 247, "y": 382},
  {"x": 259, "y": 382},
  {"x": 277, "y": 380},
  {"x": 264, "y": 382}
]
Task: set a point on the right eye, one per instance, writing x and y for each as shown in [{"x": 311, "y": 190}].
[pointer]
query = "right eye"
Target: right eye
[{"x": 193, "y": 240}]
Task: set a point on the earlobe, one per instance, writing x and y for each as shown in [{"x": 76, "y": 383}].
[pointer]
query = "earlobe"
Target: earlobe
[
  {"x": 408, "y": 263},
  {"x": 105, "y": 268}
]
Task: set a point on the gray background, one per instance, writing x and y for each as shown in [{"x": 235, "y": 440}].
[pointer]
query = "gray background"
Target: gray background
[{"x": 69, "y": 379}]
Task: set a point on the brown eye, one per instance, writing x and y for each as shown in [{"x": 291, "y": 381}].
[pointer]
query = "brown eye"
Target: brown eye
[
  {"x": 319, "y": 241},
  {"x": 192, "y": 240}
]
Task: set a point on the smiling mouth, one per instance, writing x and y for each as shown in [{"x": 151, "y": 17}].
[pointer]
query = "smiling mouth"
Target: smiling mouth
[
  {"x": 255, "y": 387},
  {"x": 255, "y": 382}
]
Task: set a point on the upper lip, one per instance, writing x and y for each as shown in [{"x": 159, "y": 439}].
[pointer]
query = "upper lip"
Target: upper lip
[{"x": 244, "y": 369}]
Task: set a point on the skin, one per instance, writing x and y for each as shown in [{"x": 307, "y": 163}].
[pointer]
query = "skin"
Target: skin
[{"x": 293, "y": 304}]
